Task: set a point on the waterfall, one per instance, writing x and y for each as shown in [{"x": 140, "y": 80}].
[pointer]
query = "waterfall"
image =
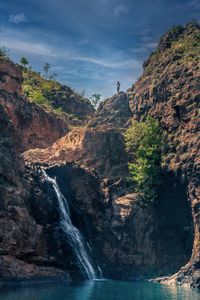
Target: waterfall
[{"x": 74, "y": 236}]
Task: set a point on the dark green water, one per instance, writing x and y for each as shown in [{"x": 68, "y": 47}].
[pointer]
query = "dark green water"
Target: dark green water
[{"x": 99, "y": 290}]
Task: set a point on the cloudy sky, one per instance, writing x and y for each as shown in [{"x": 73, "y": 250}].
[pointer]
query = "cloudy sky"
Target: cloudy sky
[{"x": 90, "y": 44}]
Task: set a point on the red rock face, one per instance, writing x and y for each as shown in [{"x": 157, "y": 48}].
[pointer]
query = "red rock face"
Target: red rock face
[
  {"x": 101, "y": 149},
  {"x": 169, "y": 90},
  {"x": 113, "y": 112},
  {"x": 37, "y": 127},
  {"x": 11, "y": 77},
  {"x": 23, "y": 241},
  {"x": 128, "y": 240}
]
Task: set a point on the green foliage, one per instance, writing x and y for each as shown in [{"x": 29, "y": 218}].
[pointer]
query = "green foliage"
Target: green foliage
[
  {"x": 185, "y": 48},
  {"x": 36, "y": 88},
  {"x": 175, "y": 30},
  {"x": 59, "y": 112},
  {"x": 188, "y": 48},
  {"x": 24, "y": 61},
  {"x": 144, "y": 142},
  {"x": 95, "y": 100},
  {"x": 35, "y": 95}
]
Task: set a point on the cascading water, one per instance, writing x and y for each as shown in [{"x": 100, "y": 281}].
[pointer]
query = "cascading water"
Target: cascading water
[{"x": 74, "y": 236}]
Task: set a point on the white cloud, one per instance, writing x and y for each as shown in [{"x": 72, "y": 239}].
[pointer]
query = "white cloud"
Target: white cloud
[
  {"x": 21, "y": 44},
  {"x": 120, "y": 9},
  {"x": 27, "y": 47},
  {"x": 18, "y": 18},
  {"x": 121, "y": 63}
]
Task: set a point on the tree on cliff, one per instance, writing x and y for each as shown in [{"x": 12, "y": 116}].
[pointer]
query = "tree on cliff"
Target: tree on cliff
[
  {"x": 95, "y": 100},
  {"x": 144, "y": 143},
  {"x": 24, "y": 61},
  {"x": 46, "y": 69}
]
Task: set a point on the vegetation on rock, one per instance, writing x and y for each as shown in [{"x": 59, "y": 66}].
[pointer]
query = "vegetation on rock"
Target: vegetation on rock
[
  {"x": 144, "y": 142},
  {"x": 180, "y": 46},
  {"x": 24, "y": 61},
  {"x": 95, "y": 100},
  {"x": 53, "y": 96},
  {"x": 35, "y": 88}
]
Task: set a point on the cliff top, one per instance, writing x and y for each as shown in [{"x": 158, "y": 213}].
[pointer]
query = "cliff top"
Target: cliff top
[
  {"x": 50, "y": 94},
  {"x": 180, "y": 43}
]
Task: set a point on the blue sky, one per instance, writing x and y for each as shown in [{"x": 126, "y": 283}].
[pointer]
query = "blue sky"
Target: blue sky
[{"x": 90, "y": 44}]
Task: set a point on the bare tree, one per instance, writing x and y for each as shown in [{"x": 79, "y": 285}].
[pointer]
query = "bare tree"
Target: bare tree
[{"x": 46, "y": 69}]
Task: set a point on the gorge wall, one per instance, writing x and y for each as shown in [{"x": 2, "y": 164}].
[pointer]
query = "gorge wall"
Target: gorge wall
[
  {"x": 169, "y": 90},
  {"x": 90, "y": 163}
]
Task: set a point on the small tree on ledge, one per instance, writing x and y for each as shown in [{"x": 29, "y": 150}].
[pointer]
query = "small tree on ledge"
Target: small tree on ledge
[
  {"x": 95, "y": 100},
  {"x": 46, "y": 68},
  {"x": 24, "y": 61}
]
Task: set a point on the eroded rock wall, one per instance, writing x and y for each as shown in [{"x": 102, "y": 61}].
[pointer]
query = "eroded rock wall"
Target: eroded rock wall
[
  {"x": 23, "y": 241},
  {"x": 169, "y": 90},
  {"x": 37, "y": 127}
]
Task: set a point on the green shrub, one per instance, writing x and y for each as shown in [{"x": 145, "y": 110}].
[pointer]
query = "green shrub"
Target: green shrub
[{"x": 144, "y": 141}]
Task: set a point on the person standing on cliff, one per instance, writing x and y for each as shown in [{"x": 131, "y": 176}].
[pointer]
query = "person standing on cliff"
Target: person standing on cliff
[{"x": 118, "y": 87}]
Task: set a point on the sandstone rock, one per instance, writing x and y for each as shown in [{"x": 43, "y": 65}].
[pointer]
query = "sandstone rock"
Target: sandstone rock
[
  {"x": 36, "y": 127},
  {"x": 101, "y": 149},
  {"x": 113, "y": 112},
  {"x": 15, "y": 270},
  {"x": 23, "y": 240},
  {"x": 11, "y": 77},
  {"x": 127, "y": 240},
  {"x": 71, "y": 103},
  {"x": 169, "y": 90}
]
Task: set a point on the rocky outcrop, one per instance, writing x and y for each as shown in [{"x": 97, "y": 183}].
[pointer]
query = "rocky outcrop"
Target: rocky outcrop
[
  {"x": 71, "y": 103},
  {"x": 101, "y": 149},
  {"x": 169, "y": 90},
  {"x": 11, "y": 167},
  {"x": 11, "y": 77},
  {"x": 37, "y": 127},
  {"x": 23, "y": 242},
  {"x": 99, "y": 145},
  {"x": 114, "y": 112}
]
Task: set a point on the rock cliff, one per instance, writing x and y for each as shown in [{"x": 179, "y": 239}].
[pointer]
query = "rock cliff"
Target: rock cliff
[
  {"x": 39, "y": 126},
  {"x": 169, "y": 90},
  {"x": 23, "y": 251},
  {"x": 36, "y": 126},
  {"x": 113, "y": 112}
]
